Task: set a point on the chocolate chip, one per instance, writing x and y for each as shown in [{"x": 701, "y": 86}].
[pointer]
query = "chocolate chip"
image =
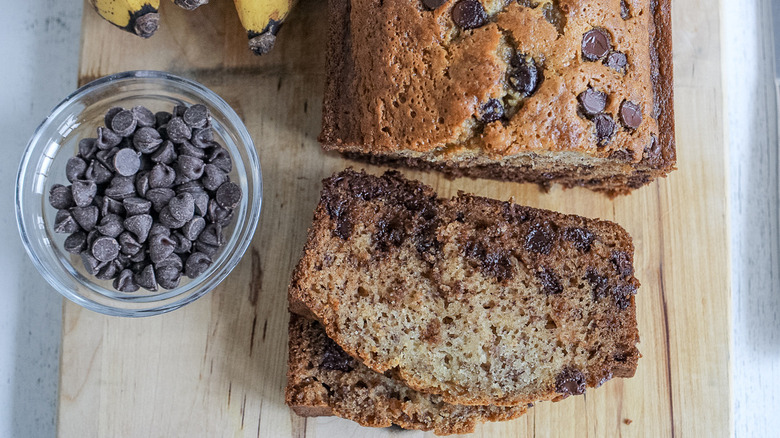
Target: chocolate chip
[
  {"x": 162, "y": 118},
  {"x": 228, "y": 195},
  {"x": 92, "y": 237},
  {"x": 433, "y": 4},
  {"x": 135, "y": 206},
  {"x": 625, "y": 12},
  {"x": 172, "y": 260},
  {"x": 91, "y": 264},
  {"x": 191, "y": 187},
  {"x": 213, "y": 177},
  {"x": 160, "y": 247},
  {"x": 123, "y": 123},
  {"x": 107, "y": 139},
  {"x": 128, "y": 244},
  {"x": 469, "y": 14},
  {"x": 183, "y": 245},
  {"x": 146, "y": 140},
  {"x": 159, "y": 228},
  {"x": 178, "y": 110},
  {"x": 334, "y": 358},
  {"x": 554, "y": 15},
  {"x": 524, "y": 76},
  {"x": 86, "y": 217},
  {"x": 598, "y": 283},
  {"x": 61, "y": 197},
  {"x": 221, "y": 158},
  {"x": 105, "y": 249},
  {"x": 616, "y": 61},
  {"x": 540, "y": 238},
  {"x": 110, "y": 225},
  {"x": 125, "y": 282},
  {"x": 592, "y": 101},
  {"x": 76, "y": 242},
  {"x": 605, "y": 127},
  {"x": 144, "y": 118},
  {"x": 182, "y": 207},
  {"x": 196, "y": 264},
  {"x": 622, "y": 262},
  {"x": 110, "y": 115},
  {"x": 139, "y": 225},
  {"x": 178, "y": 131},
  {"x": 193, "y": 228},
  {"x": 141, "y": 256},
  {"x": 146, "y": 278},
  {"x": 595, "y": 44},
  {"x": 106, "y": 157},
  {"x": 196, "y": 116},
  {"x": 212, "y": 235},
  {"x": 202, "y": 201},
  {"x": 205, "y": 248},
  {"x": 167, "y": 219},
  {"x": 161, "y": 176},
  {"x": 630, "y": 114},
  {"x": 551, "y": 284},
  {"x": 491, "y": 111},
  {"x": 202, "y": 138},
  {"x": 121, "y": 187},
  {"x": 127, "y": 162},
  {"x": 98, "y": 172},
  {"x": 83, "y": 192},
  {"x": 87, "y": 148},
  {"x": 570, "y": 381},
  {"x": 652, "y": 152},
  {"x": 580, "y": 237},
  {"x": 165, "y": 154},
  {"x": 188, "y": 149},
  {"x": 109, "y": 271},
  {"x": 190, "y": 167},
  {"x": 622, "y": 294},
  {"x": 168, "y": 277},
  {"x": 75, "y": 168}
]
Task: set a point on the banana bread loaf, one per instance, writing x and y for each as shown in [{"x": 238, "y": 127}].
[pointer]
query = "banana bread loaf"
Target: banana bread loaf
[
  {"x": 323, "y": 380},
  {"x": 577, "y": 92},
  {"x": 480, "y": 301}
]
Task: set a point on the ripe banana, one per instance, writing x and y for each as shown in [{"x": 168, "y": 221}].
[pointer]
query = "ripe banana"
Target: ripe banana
[
  {"x": 135, "y": 16},
  {"x": 262, "y": 19}
]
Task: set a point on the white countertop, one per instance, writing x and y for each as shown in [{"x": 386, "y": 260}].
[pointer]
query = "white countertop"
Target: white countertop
[{"x": 40, "y": 47}]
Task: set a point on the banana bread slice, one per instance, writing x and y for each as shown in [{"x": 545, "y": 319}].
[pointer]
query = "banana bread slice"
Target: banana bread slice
[
  {"x": 481, "y": 301},
  {"x": 323, "y": 380},
  {"x": 576, "y": 92}
]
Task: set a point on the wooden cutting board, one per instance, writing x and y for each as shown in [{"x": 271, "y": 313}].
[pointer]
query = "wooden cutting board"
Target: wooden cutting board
[{"x": 217, "y": 367}]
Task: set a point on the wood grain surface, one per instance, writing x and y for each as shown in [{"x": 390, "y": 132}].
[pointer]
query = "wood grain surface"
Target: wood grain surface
[{"x": 217, "y": 367}]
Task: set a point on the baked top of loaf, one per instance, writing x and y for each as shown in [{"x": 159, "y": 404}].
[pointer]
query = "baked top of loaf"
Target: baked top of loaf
[
  {"x": 480, "y": 301},
  {"x": 480, "y": 81},
  {"x": 324, "y": 380}
]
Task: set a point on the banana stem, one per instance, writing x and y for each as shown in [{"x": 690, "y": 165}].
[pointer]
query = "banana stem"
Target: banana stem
[{"x": 190, "y": 4}]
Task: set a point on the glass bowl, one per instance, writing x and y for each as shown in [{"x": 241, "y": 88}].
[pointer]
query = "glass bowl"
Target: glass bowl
[{"x": 56, "y": 140}]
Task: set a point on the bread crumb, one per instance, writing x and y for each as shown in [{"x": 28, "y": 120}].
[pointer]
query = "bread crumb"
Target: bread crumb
[{"x": 627, "y": 421}]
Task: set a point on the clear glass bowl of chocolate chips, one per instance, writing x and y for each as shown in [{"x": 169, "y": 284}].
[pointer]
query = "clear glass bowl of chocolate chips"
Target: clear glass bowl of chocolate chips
[{"x": 138, "y": 194}]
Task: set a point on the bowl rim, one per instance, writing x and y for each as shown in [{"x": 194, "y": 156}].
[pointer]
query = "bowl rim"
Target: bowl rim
[{"x": 254, "y": 204}]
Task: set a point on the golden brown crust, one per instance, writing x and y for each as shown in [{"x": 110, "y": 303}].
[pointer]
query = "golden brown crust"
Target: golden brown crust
[
  {"x": 480, "y": 301},
  {"x": 409, "y": 93},
  {"x": 322, "y": 380}
]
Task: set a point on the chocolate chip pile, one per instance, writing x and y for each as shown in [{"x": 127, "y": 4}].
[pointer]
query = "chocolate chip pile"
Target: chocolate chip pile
[{"x": 148, "y": 198}]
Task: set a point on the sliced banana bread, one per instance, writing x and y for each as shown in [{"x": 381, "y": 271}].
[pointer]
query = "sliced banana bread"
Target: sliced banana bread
[
  {"x": 324, "y": 380},
  {"x": 481, "y": 301}
]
